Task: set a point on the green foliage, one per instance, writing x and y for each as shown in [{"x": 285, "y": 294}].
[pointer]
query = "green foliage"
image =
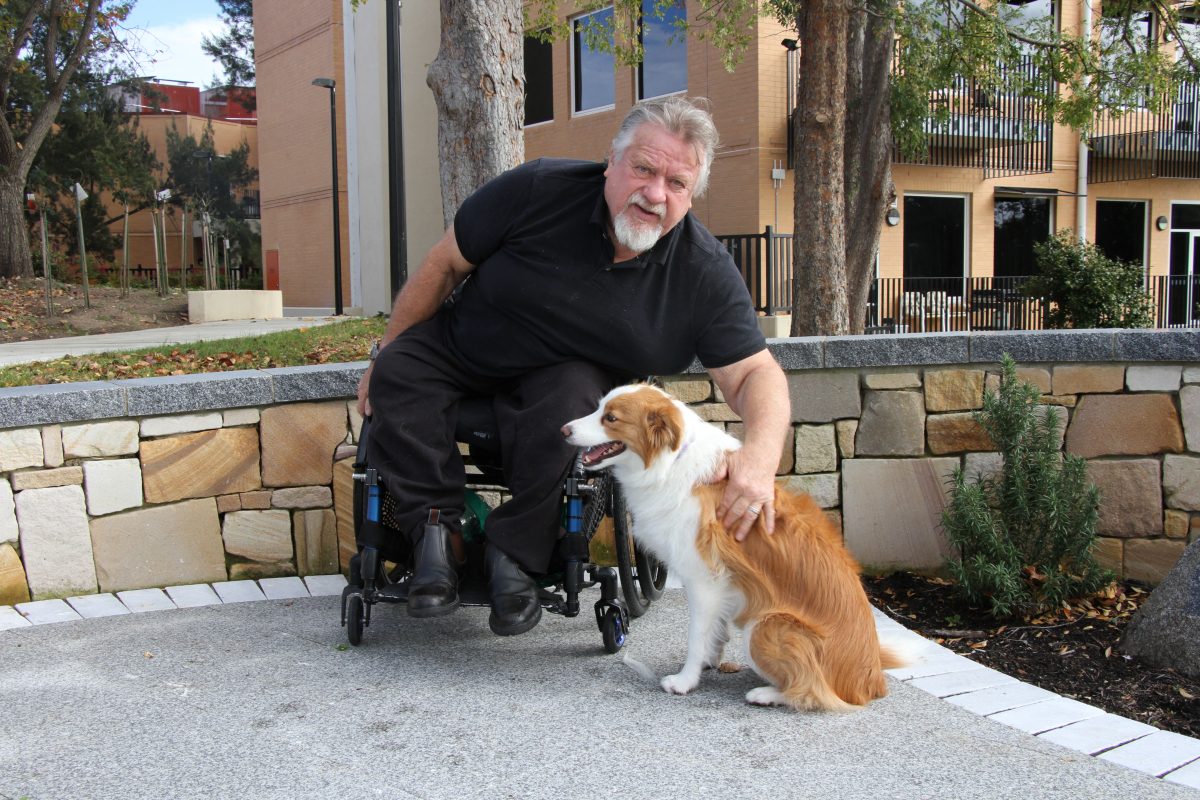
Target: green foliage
[
  {"x": 234, "y": 48},
  {"x": 1087, "y": 289},
  {"x": 1025, "y": 536}
]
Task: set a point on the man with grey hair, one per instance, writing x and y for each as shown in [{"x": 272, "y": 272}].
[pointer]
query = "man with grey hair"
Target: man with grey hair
[{"x": 575, "y": 277}]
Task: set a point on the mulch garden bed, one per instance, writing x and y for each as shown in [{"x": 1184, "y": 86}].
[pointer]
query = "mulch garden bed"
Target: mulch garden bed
[{"x": 1074, "y": 652}]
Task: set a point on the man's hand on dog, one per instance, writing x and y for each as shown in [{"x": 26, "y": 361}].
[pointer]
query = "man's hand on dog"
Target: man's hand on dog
[{"x": 749, "y": 493}]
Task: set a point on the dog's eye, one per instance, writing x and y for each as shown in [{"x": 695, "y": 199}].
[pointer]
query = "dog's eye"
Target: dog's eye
[{"x": 610, "y": 417}]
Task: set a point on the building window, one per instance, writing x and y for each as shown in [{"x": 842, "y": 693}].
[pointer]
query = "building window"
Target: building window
[
  {"x": 1020, "y": 223},
  {"x": 1036, "y": 18},
  {"x": 594, "y": 76},
  {"x": 935, "y": 242},
  {"x": 664, "y": 51},
  {"x": 1121, "y": 229},
  {"x": 539, "y": 81}
]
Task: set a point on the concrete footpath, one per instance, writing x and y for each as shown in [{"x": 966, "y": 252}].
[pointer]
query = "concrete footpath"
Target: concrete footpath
[
  {"x": 46, "y": 349},
  {"x": 266, "y": 700}
]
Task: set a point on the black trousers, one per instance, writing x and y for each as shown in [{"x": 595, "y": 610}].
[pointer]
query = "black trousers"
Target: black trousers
[{"x": 415, "y": 390}]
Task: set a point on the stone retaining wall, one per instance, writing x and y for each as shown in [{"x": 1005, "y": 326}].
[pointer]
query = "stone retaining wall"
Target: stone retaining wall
[{"x": 153, "y": 482}]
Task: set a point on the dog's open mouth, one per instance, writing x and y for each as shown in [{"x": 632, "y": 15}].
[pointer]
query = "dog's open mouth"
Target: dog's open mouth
[{"x": 601, "y": 452}]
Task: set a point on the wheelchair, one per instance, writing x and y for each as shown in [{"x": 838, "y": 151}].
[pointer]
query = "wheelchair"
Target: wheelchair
[{"x": 380, "y": 571}]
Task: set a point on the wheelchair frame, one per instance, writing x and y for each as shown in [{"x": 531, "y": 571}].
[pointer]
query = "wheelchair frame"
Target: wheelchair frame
[{"x": 588, "y": 498}]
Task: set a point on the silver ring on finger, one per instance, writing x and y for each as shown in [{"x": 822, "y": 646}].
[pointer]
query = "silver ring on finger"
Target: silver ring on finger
[{"x": 753, "y": 509}]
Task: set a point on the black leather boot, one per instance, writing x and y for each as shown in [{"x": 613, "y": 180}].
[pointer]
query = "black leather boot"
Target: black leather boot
[
  {"x": 515, "y": 604},
  {"x": 433, "y": 588}
]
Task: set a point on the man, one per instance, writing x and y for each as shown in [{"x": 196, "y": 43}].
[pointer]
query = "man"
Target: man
[{"x": 582, "y": 276}]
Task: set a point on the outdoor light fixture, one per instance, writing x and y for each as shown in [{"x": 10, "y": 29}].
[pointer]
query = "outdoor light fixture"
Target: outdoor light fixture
[
  {"x": 893, "y": 216},
  {"x": 331, "y": 84},
  {"x": 790, "y": 44},
  {"x": 1161, "y": 223}
]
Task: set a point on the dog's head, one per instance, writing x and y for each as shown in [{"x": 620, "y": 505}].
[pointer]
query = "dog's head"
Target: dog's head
[{"x": 632, "y": 422}]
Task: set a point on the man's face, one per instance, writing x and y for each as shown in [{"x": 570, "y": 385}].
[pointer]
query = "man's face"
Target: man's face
[{"x": 649, "y": 188}]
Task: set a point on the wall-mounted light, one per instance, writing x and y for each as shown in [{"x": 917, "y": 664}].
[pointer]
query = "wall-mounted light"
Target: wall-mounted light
[
  {"x": 893, "y": 216},
  {"x": 791, "y": 44},
  {"x": 1161, "y": 223}
]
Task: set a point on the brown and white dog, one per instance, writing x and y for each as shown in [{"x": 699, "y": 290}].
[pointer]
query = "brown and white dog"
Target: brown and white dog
[{"x": 796, "y": 594}]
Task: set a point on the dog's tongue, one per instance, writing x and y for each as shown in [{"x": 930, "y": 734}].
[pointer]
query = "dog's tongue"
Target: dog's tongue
[{"x": 594, "y": 455}]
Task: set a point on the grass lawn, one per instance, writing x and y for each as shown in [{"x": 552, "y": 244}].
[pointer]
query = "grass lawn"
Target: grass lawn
[{"x": 321, "y": 344}]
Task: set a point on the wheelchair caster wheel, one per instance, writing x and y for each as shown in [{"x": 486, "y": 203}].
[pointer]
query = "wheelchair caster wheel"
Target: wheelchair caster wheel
[
  {"x": 354, "y": 619},
  {"x": 612, "y": 628}
]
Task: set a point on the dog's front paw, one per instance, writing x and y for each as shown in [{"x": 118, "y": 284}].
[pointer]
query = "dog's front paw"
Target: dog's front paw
[
  {"x": 678, "y": 684},
  {"x": 765, "y": 696}
]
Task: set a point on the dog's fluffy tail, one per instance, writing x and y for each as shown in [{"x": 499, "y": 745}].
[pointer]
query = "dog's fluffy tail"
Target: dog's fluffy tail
[
  {"x": 642, "y": 669},
  {"x": 899, "y": 649}
]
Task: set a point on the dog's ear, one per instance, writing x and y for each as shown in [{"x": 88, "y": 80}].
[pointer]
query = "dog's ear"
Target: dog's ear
[{"x": 664, "y": 427}]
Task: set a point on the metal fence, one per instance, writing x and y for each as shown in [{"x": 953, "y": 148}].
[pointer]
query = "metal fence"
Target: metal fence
[
  {"x": 243, "y": 277},
  {"x": 765, "y": 261}
]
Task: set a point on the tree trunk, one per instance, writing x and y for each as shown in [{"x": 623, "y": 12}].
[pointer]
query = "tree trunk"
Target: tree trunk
[
  {"x": 15, "y": 261},
  {"x": 478, "y": 83},
  {"x": 868, "y": 168},
  {"x": 819, "y": 269}
]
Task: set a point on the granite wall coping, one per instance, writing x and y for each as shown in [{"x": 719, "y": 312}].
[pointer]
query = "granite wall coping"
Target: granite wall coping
[{"x": 25, "y": 406}]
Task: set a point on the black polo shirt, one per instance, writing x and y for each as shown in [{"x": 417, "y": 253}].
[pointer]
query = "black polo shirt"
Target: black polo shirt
[{"x": 545, "y": 288}]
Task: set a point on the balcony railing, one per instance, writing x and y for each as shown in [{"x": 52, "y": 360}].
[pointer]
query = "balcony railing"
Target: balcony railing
[
  {"x": 1141, "y": 143},
  {"x": 924, "y": 305},
  {"x": 1001, "y": 131}
]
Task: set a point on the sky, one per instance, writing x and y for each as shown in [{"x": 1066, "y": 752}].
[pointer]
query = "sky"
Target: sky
[{"x": 170, "y": 32}]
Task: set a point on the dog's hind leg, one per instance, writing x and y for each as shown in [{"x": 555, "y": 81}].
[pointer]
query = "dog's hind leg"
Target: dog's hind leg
[{"x": 787, "y": 652}]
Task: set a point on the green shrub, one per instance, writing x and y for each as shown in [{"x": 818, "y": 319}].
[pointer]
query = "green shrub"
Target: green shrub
[
  {"x": 1024, "y": 536},
  {"x": 1087, "y": 289}
]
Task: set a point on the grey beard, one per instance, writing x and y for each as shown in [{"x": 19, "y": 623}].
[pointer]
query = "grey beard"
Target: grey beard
[{"x": 637, "y": 238}]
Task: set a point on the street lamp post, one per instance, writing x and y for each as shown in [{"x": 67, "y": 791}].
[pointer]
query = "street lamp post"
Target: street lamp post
[{"x": 331, "y": 84}]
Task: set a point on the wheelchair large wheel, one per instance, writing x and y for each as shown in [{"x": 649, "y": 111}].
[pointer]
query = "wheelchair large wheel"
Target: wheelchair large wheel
[{"x": 642, "y": 576}]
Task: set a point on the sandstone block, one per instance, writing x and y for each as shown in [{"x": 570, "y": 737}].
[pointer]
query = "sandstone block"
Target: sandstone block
[
  {"x": 883, "y": 381},
  {"x": 956, "y": 433},
  {"x": 822, "y": 488},
  {"x": 1080, "y": 379},
  {"x": 1181, "y": 482},
  {"x": 1038, "y": 376},
  {"x": 180, "y": 423},
  {"x": 229, "y": 502},
  {"x": 52, "y": 445},
  {"x": 93, "y": 439},
  {"x": 1130, "y": 497},
  {"x": 1157, "y": 378},
  {"x": 983, "y": 466},
  {"x": 1064, "y": 400},
  {"x": 824, "y": 396},
  {"x": 787, "y": 459},
  {"x": 1189, "y": 408},
  {"x": 1166, "y": 629},
  {"x": 1110, "y": 554},
  {"x": 892, "y": 511},
  {"x": 356, "y": 420},
  {"x": 259, "y": 535},
  {"x": 1191, "y": 374},
  {"x": 1150, "y": 560},
  {"x": 203, "y": 464},
  {"x": 302, "y": 497},
  {"x": 112, "y": 485},
  {"x": 892, "y": 424},
  {"x": 1101, "y": 426},
  {"x": 953, "y": 389},
  {"x": 21, "y": 448},
  {"x": 816, "y": 449},
  {"x": 255, "y": 501},
  {"x": 1176, "y": 524},
  {"x": 165, "y": 545},
  {"x": 55, "y": 542},
  {"x": 343, "y": 509},
  {"x": 13, "y": 585},
  {"x": 47, "y": 478},
  {"x": 233, "y": 417},
  {"x": 291, "y": 460},
  {"x": 846, "y": 429},
  {"x": 716, "y": 412},
  {"x": 316, "y": 542},
  {"x": 253, "y": 570},
  {"x": 690, "y": 390},
  {"x": 8, "y": 514}
]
